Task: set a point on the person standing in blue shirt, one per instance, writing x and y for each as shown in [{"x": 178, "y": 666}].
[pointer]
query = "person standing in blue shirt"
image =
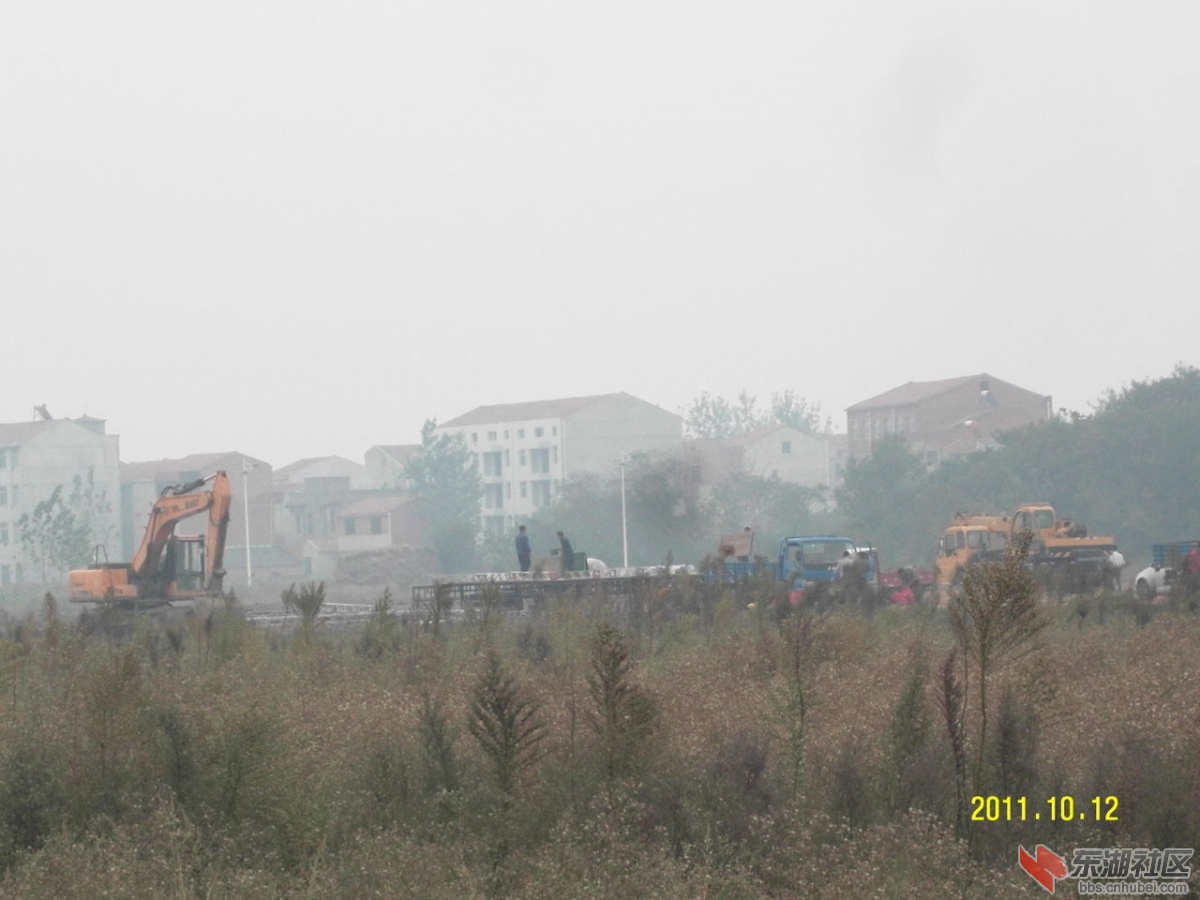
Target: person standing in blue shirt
[{"x": 524, "y": 553}]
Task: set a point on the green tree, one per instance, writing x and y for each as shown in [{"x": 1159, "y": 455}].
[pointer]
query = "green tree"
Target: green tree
[
  {"x": 996, "y": 617},
  {"x": 664, "y": 514},
  {"x": 447, "y": 488},
  {"x": 61, "y": 532},
  {"x": 718, "y": 418},
  {"x": 885, "y": 498},
  {"x": 789, "y": 408},
  {"x": 623, "y": 715},
  {"x": 507, "y": 724},
  {"x": 773, "y": 507}
]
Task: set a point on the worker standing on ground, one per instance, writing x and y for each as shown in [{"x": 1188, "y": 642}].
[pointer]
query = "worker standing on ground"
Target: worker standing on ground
[
  {"x": 1113, "y": 564},
  {"x": 524, "y": 552},
  {"x": 566, "y": 554}
]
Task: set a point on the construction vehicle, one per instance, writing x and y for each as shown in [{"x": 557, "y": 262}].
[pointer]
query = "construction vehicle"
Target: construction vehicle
[
  {"x": 1062, "y": 555},
  {"x": 811, "y": 566},
  {"x": 972, "y": 538},
  {"x": 167, "y": 567}
]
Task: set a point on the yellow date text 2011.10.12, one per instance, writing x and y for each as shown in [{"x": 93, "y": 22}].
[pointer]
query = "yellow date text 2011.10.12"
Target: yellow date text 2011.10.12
[{"x": 992, "y": 808}]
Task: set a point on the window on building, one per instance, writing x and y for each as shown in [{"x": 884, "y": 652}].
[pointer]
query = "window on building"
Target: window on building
[
  {"x": 348, "y": 524},
  {"x": 541, "y": 493},
  {"x": 5, "y": 575},
  {"x": 493, "y": 496},
  {"x": 376, "y": 524},
  {"x": 474, "y": 438},
  {"x": 492, "y": 463},
  {"x": 524, "y": 488},
  {"x": 491, "y": 435},
  {"x": 507, "y": 458},
  {"x": 520, "y": 432},
  {"x": 508, "y": 490},
  {"x": 554, "y": 430},
  {"x": 521, "y": 457},
  {"x": 3, "y": 459},
  {"x": 3, "y": 496},
  {"x": 554, "y": 450},
  {"x": 787, "y": 447},
  {"x": 506, "y": 434},
  {"x": 539, "y": 461},
  {"x": 538, "y": 432},
  {"x": 3, "y": 535}
]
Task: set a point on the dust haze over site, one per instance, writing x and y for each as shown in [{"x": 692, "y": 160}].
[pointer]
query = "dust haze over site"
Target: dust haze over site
[{"x": 302, "y": 229}]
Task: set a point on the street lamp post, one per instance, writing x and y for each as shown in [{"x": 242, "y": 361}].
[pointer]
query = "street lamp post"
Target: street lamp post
[{"x": 624, "y": 530}]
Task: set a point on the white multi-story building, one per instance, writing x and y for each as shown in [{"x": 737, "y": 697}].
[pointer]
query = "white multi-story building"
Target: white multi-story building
[
  {"x": 37, "y": 457},
  {"x": 526, "y": 450}
]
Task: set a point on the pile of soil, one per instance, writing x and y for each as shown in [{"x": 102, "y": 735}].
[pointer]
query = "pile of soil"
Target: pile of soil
[{"x": 401, "y": 567}]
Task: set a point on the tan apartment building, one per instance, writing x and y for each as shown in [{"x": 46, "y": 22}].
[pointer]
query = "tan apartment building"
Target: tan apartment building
[{"x": 943, "y": 419}]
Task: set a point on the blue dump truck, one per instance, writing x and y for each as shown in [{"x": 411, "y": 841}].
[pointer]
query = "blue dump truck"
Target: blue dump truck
[{"x": 809, "y": 565}]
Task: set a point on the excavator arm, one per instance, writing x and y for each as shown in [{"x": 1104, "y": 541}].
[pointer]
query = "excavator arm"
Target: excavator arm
[
  {"x": 175, "y": 504},
  {"x": 218, "y": 524}
]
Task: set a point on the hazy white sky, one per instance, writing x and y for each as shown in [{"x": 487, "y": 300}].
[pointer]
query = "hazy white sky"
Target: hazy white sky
[{"x": 302, "y": 228}]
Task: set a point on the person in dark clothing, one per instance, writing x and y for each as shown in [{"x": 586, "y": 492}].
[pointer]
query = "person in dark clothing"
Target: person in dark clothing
[
  {"x": 524, "y": 553},
  {"x": 567, "y": 554}
]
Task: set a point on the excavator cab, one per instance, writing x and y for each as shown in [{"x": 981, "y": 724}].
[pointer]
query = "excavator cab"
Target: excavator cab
[{"x": 183, "y": 566}]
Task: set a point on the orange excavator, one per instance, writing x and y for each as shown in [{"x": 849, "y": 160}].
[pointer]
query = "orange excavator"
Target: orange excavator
[{"x": 166, "y": 567}]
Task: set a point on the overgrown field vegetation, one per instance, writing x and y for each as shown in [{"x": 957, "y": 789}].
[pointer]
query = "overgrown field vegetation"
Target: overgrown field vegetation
[{"x": 696, "y": 743}]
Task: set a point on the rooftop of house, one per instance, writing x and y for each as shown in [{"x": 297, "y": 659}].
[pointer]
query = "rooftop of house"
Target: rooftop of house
[
  {"x": 293, "y": 469},
  {"x": 20, "y": 432},
  {"x": 916, "y": 391},
  {"x": 399, "y": 453},
  {"x": 204, "y": 463},
  {"x": 534, "y": 410},
  {"x": 372, "y": 506}
]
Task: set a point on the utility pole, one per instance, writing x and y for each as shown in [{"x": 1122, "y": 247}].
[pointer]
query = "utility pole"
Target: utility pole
[{"x": 624, "y": 529}]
